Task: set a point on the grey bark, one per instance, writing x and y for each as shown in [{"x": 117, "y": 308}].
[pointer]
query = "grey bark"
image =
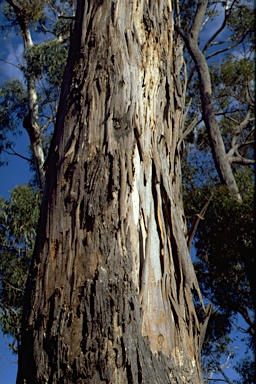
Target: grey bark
[
  {"x": 31, "y": 121},
  {"x": 109, "y": 296},
  {"x": 220, "y": 157}
]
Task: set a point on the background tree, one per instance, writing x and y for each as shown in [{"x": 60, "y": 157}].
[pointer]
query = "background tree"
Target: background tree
[
  {"x": 225, "y": 248},
  {"x": 18, "y": 223},
  {"x": 32, "y": 98},
  {"x": 190, "y": 36},
  {"x": 232, "y": 83},
  {"x": 34, "y": 103}
]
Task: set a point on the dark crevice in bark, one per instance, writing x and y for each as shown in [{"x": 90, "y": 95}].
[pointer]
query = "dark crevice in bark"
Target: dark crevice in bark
[
  {"x": 104, "y": 327},
  {"x": 175, "y": 315},
  {"x": 156, "y": 204},
  {"x": 131, "y": 355},
  {"x": 166, "y": 206},
  {"x": 176, "y": 261},
  {"x": 111, "y": 182},
  {"x": 107, "y": 114},
  {"x": 137, "y": 137},
  {"x": 168, "y": 101}
]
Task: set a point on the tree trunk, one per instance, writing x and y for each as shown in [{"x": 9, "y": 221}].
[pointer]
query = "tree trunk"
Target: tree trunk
[
  {"x": 220, "y": 157},
  {"x": 109, "y": 296},
  {"x": 31, "y": 121}
]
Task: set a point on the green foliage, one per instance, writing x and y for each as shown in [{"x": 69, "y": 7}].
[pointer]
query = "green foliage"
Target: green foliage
[
  {"x": 47, "y": 60},
  {"x": 13, "y": 109},
  {"x": 43, "y": 64},
  {"x": 33, "y": 9},
  {"x": 233, "y": 79},
  {"x": 18, "y": 223},
  {"x": 30, "y": 11},
  {"x": 246, "y": 370},
  {"x": 233, "y": 91},
  {"x": 241, "y": 21},
  {"x": 225, "y": 240}
]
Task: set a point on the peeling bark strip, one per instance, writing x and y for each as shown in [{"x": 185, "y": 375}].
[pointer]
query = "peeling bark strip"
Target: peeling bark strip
[{"x": 109, "y": 296}]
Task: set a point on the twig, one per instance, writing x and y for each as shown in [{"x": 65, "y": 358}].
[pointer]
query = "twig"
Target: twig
[{"x": 199, "y": 216}]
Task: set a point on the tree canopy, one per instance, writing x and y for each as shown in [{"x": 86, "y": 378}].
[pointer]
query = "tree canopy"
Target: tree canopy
[{"x": 18, "y": 222}]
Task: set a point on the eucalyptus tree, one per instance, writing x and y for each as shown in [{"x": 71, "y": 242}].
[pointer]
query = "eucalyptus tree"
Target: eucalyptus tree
[
  {"x": 18, "y": 222},
  {"x": 31, "y": 100},
  {"x": 225, "y": 249},
  {"x": 238, "y": 24},
  {"x": 109, "y": 296},
  {"x": 225, "y": 237}
]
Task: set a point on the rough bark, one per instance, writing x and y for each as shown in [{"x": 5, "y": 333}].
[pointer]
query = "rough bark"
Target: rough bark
[
  {"x": 109, "y": 296},
  {"x": 220, "y": 157}
]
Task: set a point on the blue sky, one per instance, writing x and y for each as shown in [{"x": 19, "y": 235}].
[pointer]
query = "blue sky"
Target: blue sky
[
  {"x": 8, "y": 362},
  {"x": 17, "y": 172}
]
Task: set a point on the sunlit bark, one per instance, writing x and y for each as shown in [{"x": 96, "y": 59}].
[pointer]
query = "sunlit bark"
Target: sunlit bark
[{"x": 109, "y": 298}]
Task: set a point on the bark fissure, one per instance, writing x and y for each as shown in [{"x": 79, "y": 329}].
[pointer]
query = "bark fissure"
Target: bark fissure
[{"x": 113, "y": 215}]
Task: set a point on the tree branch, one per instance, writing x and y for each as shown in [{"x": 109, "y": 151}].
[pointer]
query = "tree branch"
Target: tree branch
[
  {"x": 227, "y": 48},
  {"x": 245, "y": 314},
  {"x": 226, "y": 17},
  {"x": 198, "y": 19},
  {"x": 9, "y": 63},
  {"x": 216, "y": 141},
  {"x": 197, "y": 218},
  {"x": 223, "y": 374},
  {"x": 240, "y": 160},
  {"x": 190, "y": 127},
  {"x": 14, "y": 153},
  {"x": 12, "y": 286}
]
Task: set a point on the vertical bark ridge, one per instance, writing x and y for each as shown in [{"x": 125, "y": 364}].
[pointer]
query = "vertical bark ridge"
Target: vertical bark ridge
[{"x": 114, "y": 304}]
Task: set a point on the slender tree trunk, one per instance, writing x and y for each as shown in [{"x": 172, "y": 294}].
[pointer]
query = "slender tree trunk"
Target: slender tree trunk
[
  {"x": 31, "y": 121},
  {"x": 109, "y": 296},
  {"x": 219, "y": 154}
]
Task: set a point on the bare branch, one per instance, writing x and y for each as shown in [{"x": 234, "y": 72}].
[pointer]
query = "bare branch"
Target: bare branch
[
  {"x": 14, "y": 153},
  {"x": 245, "y": 314},
  {"x": 14, "y": 65},
  {"x": 12, "y": 286},
  {"x": 226, "y": 17},
  {"x": 220, "y": 369},
  {"x": 194, "y": 225},
  {"x": 189, "y": 129},
  {"x": 205, "y": 85},
  {"x": 198, "y": 19},
  {"x": 240, "y": 160},
  {"x": 227, "y": 48},
  {"x": 46, "y": 125},
  {"x": 243, "y": 124}
]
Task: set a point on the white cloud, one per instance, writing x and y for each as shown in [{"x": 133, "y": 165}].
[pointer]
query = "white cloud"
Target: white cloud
[{"x": 11, "y": 57}]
